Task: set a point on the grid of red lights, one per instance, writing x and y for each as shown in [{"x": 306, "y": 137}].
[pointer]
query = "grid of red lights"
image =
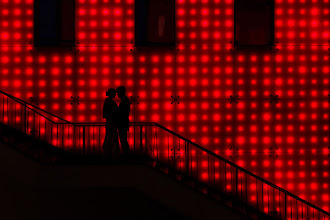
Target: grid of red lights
[{"x": 285, "y": 142}]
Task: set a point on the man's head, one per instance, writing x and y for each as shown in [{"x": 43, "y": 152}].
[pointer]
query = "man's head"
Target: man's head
[
  {"x": 121, "y": 90},
  {"x": 111, "y": 93}
]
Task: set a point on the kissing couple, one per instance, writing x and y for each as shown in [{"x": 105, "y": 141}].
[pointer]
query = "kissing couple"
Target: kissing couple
[{"x": 117, "y": 121}]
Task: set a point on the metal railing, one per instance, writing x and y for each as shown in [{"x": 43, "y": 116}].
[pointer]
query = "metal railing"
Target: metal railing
[{"x": 190, "y": 162}]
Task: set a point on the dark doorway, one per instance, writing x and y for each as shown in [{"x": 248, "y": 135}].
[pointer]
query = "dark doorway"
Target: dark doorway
[
  {"x": 154, "y": 22},
  {"x": 54, "y": 23},
  {"x": 254, "y": 22}
]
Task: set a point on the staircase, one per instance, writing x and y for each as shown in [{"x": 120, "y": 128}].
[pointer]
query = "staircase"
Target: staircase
[{"x": 58, "y": 141}]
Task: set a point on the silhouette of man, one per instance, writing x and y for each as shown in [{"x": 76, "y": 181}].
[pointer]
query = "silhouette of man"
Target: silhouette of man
[{"x": 123, "y": 118}]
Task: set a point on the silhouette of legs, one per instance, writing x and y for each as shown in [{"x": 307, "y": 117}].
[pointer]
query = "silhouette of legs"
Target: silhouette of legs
[
  {"x": 111, "y": 144},
  {"x": 107, "y": 143},
  {"x": 123, "y": 140},
  {"x": 115, "y": 145}
]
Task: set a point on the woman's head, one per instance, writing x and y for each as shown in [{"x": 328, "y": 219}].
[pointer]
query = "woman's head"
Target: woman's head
[{"x": 111, "y": 93}]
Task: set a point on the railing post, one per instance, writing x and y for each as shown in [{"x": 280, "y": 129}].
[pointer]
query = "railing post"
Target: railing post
[
  {"x": 84, "y": 141},
  {"x": 174, "y": 152},
  {"x": 74, "y": 138},
  {"x": 262, "y": 196},
  {"x": 24, "y": 122},
  {"x": 236, "y": 180},
  {"x": 187, "y": 158},
  {"x": 141, "y": 143},
  {"x": 134, "y": 139},
  {"x": 257, "y": 194},
  {"x": 8, "y": 112},
  {"x": 285, "y": 206},
  {"x": 3, "y": 109}
]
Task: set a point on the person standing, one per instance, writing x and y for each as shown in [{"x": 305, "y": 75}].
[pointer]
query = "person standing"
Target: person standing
[
  {"x": 110, "y": 113},
  {"x": 123, "y": 118}
]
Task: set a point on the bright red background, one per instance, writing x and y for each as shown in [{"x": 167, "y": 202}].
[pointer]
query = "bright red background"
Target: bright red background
[{"x": 204, "y": 70}]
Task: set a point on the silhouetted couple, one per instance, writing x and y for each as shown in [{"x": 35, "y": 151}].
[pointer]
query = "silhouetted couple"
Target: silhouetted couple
[{"x": 117, "y": 122}]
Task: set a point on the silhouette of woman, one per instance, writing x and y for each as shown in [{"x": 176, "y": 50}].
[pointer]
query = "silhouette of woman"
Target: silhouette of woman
[{"x": 110, "y": 111}]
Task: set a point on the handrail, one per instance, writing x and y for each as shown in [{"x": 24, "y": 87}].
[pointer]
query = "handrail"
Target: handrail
[
  {"x": 26, "y": 103},
  {"x": 243, "y": 170},
  {"x": 62, "y": 119},
  {"x": 178, "y": 136},
  {"x": 41, "y": 115}
]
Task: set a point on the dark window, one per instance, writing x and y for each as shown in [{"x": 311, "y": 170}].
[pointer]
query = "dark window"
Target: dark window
[
  {"x": 254, "y": 22},
  {"x": 54, "y": 22},
  {"x": 155, "y": 22}
]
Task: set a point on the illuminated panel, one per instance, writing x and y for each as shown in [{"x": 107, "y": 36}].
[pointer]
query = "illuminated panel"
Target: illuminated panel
[
  {"x": 254, "y": 74},
  {"x": 208, "y": 123},
  {"x": 16, "y": 22},
  {"x": 55, "y": 75},
  {"x": 199, "y": 22},
  {"x": 254, "y": 135},
  {"x": 302, "y": 136},
  {"x": 98, "y": 69},
  {"x": 304, "y": 172},
  {"x": 302, "y": 72},
  {"x": 105, "y": 22},
  {"x": 54, "y": 72},
  {"x": 16, "y": 71},
  {"x": 162, "y": 112},
  {"x": 204, "y": 73},
  {"x": 16, "y": 62},
  {"x": 154, "y": 74},
  {"x": 60, "y": 108},
  {"x": 302, "y": 22},
  {"x": 155, "y": 111}
]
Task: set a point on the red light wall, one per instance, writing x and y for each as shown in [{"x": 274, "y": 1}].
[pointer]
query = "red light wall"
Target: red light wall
[{"x": 188, "y": 87}]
